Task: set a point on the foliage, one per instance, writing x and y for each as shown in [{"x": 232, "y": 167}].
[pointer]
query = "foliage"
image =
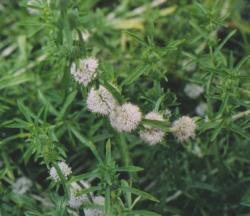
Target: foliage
[{"x": 148, "y": 52}]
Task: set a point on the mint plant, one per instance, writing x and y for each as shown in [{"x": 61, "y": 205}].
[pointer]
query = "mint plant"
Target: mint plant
[{"x": 124, "y": 107}]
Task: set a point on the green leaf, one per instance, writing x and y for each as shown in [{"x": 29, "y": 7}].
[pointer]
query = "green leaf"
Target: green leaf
[
  {"x": 227, "y": 38},
  {"x": 123, "y": 148},
  {"x": 136, "y": 37},
  {"x": 47, "y": 103},
  {"x": 204, "y": 186},
  {"x": 25, "y": 111},
  {"x": 198, "y": 29},
  {"x": 239, "y": 130},
  {"x": 88, "y": 190},
  {"x": 86, "y": 142},
  {"x": 66, "y": 105},
  {"x": 246, "y": 199},
  {"x": 143, "y": 213},
  {"x": 158, "y": 103},
  {"x": 129, "y": 169},
  {"x": 163, "y": 125},
  {"x": 108, "y": 153},
  {"x": 139, "y": 193},
  {"x": 92, "y": 174},
  {"x": 128, "y": 196},
  {"x": 15, "y": 79},
  {"x": 242, "y": 62},
  {"x": 68, "y": 33},
  {"x": 135, "y": 75}
]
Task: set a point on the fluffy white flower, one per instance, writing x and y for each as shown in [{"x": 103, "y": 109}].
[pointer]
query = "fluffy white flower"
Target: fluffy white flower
[
  {"x": 201, "y": 109},
  {"x": 65, "y": 169},
  {"x": 193, "y": 90},
  {"x": 76, "y": 200},
  {"x": 101, "y": 101},
  {"x": 86, "y": 72},
  {"x": 22, "y": 185},
  {"x": 183, "y": 128},
  {"x": 125, "y": 118},
  {"x": 149, "y": 134},
  {"x": 99, "y": 200}
]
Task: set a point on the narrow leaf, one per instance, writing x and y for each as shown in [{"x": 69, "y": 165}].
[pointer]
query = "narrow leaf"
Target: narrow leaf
[
  {"x": 129, "y": 169},
  {"x": 139, "y": 193},
  {"x": 86, "y": 142}
]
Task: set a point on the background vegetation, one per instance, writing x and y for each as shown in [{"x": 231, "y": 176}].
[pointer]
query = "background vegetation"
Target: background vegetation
[{"x": 150, "y": 52}]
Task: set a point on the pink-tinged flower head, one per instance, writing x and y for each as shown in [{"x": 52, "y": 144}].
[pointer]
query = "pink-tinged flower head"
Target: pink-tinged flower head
[
  {"x": 101, "y": 101},
  {"x": 183, "y": 128},
  {"x": 85, "y": 72},
  {"x": 125, "y": 118},
  {"x": 149, "y": 134},
  {"x": 65, "y": 169}
]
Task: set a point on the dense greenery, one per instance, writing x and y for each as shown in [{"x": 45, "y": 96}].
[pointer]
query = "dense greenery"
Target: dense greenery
[{"x": 148, "y": 52}]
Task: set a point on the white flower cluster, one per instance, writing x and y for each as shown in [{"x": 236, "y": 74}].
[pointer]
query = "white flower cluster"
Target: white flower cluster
[
  {"x": 101, "y": 101},
  {"x": 193, "y": 90},
  {"x": 149, "y": 134},
  {"x": 22, "y": 185},
  {"x": 65, "y": 169},
  {"x": 86, "y": 71},
  {"x": 76, "y": 200},
  {"x": 98, "y": 200},
  {"x": 125, "y": 118},
  {"x": 184, "y": 128}
]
